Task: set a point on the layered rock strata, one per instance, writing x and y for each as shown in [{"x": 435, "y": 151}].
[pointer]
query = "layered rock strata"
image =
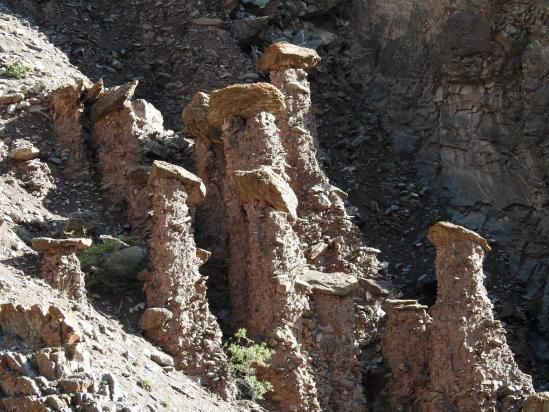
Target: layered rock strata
[
  {"x": 59, "y": 264},
  {"x": 178, "y": 317},
  {"x": 469, "y": 366}
]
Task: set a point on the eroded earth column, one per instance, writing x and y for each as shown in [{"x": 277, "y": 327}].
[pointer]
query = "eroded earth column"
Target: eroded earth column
[
  {"x": 471, "y": 367},
  {"x": 178, "y": 317}
]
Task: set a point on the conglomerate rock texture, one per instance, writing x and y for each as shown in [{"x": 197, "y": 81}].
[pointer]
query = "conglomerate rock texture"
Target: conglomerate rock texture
[
  {"x": 469, "y": 105},
  {"x": 461, "y": 361},
  {"x": 190, "y": 333},
  {"x": 309, "y": 317}
]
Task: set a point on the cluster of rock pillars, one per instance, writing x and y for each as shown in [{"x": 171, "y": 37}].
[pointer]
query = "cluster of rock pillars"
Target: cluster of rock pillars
[{"x": 300, "y": 276}]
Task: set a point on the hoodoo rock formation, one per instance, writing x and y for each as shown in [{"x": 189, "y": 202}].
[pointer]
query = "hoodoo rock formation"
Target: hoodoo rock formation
[
  {"x": 60, "y": 266},
  {"x": 459, "y": 359},
  {"x": 188, "y": 330},
  {"x": 405, "y": 346},
  {"x": 471, "y": 367},
  {"x": 422, "y": 110},
  {"x": 332, "y": 242},
  {"x": 247, "y": 157},
  {"x": 265, "y": 258}
]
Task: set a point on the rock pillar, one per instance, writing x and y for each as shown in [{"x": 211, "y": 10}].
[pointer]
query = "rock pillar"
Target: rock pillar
[
  {"x": 406, "y": 346},
  {"x": 60, "y": 266},
  {"x": 265, "y": 257},
  {"x": 331, "y": 241},
  {"x": 471, "y": 367},
  {"x": 179, "y": 318}
]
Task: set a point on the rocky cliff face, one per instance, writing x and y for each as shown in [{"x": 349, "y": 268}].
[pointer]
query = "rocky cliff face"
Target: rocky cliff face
[{"x": 462, "y": 88}]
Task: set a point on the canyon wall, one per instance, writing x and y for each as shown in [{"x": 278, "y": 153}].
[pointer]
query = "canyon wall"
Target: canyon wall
[{"x": 462, "y": 88}]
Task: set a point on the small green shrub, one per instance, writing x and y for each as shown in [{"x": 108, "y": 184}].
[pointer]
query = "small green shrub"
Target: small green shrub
[
  {"x": 22, "y": 234},
  {"x": 95, "y": 253},
  {"x": 167, "y": 403},
  {"x": 18, "y": 70},
  {"x": 245, "y": 356},
  {"x": 145, "y": 384}
]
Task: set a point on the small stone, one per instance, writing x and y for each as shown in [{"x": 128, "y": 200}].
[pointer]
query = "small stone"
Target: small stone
[
  {"x": 209, "y": 22},
  {"x": 24, "y": 153},
  {"x": 154, "y": 318},
  {"x": 162, "y": 359},
  {"x": 7, "y": 99}
]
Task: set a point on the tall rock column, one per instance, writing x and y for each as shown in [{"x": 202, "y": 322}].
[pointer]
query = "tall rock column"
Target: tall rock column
[
  {"x": 210, "y": 166},
  {"x": 122, "y": 132},
  {"x": 265, "y": 254},
  {"x": 330, "y": 341},
  {"x": 250, "y": 139},
  {"x": 179, "y": 318},
  {"x": 332, "y": 242},
  {"x": 471, "y": 367},
  {"x": 406, "y": 346}
]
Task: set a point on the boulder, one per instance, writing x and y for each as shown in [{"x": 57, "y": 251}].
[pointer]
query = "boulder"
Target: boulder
[
  {"x": 148, "y": 117},
  {"x": 113, "y": 100},
  {"x": 154, "y": 318},
  {"x": 376, "y": 288},
  {"x": 24, "y": 153},
  {"x": 72, "y": 244},
  {"x": 127, "y": 262},
  {"x": 244, "y": 100},
  {"x": 196, "y": 190},
  {"x": 444, "y": 232},
  {"x": 281, "y": 55},
  {"x": 266, "y": 185},
  {"x": 339, "y": 284}
]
